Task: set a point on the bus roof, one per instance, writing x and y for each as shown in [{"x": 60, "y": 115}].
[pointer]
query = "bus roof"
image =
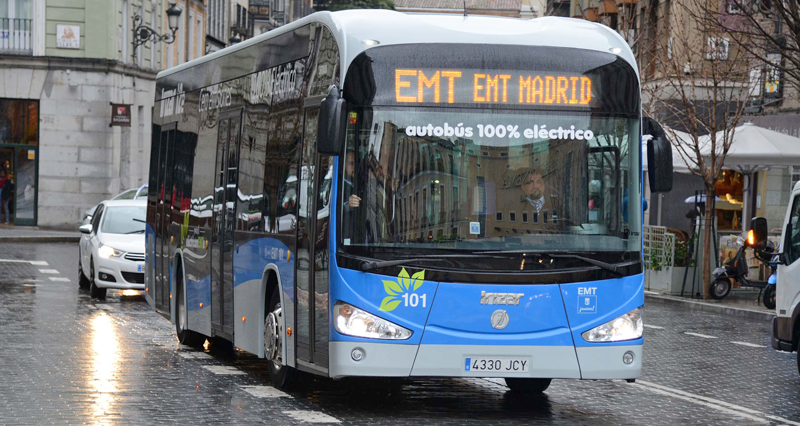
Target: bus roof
[{"x": 352, "y": 27}]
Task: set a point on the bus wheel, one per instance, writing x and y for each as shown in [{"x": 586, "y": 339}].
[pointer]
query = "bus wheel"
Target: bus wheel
[
  {"x": 532, "y": 386},
  {"x": 186, "y": 337},
  {"x": 273, "y": 343},
  {"x": 720, "y": 288},
  {"x": 94, "y": 291}
]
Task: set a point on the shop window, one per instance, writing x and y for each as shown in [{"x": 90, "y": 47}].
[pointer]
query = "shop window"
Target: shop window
[
  {"x": 19, "y": 121},
  {"x": 795, "y": 176},
  {"x": 729, "y": 189}
]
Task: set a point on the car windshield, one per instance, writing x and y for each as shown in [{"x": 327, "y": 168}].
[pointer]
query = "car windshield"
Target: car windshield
[
  {"x": 142, "y": 193},
  {"x": 126, "y": 195},
  {"x": 480, "y": 180},
  {"x": 124, "y": 220}
]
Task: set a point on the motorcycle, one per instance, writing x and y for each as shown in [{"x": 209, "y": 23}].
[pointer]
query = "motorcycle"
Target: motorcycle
[{"x": 737, "y": 270}]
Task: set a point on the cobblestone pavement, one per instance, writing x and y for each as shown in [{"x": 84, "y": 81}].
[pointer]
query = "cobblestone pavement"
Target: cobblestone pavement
[{"x": 67, "y": 359}]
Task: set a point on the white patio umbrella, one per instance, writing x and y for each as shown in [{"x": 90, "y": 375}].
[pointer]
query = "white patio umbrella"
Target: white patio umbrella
[
  {"x": 699, "y": 198},
  {"x": 754, "y": 149},
  {"x": 675, "y": 137}
]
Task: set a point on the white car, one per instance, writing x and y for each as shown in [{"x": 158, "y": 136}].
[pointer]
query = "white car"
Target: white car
[
  {"x": 112, "y": 248},
  {"x": 131, "y": 194}
]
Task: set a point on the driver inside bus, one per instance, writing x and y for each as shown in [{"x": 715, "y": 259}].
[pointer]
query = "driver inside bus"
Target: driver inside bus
[
  {"x": 351, "y": 200},
  {"x": 533, "y": 190}
]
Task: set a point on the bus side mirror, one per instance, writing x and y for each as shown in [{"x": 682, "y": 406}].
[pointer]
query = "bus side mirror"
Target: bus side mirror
[
  {"x": 659, "y": 157},
  {"x": 757, "y": 235},
  {"x": 331, "y": 127}
]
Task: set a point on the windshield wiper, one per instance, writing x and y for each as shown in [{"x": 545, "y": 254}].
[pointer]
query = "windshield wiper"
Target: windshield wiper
[
  {"x": 140, "y": 231},
  {"x": 614, "y": 269},
  {"x": 367, "y": 265}
]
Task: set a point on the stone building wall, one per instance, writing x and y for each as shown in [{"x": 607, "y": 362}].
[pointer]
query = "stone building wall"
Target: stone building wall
[{"x": 82, "y": 160}]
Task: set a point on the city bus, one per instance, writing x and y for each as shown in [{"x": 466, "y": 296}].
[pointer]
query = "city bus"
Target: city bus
[{"x": 424, "y": 195}]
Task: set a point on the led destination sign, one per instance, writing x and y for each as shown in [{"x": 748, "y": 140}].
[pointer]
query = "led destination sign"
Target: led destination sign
[{"x": 432, "y": 86}]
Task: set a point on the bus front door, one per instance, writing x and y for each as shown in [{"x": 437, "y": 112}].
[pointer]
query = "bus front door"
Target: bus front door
[
  {"x": 312, "y": 251},
  {"x": 227, "y": 173},
  {"x": 163, "y": 210}
]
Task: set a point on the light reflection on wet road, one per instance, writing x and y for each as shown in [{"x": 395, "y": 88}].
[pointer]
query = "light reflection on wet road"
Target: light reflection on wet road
[{"x": 68, "y": 359}]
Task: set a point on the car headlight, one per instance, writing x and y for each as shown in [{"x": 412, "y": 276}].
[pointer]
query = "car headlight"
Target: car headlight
[
  {"x": 108, "y": 251},
  {"x": 626, "y": 327},
  {"x": 352, "y": 321}
]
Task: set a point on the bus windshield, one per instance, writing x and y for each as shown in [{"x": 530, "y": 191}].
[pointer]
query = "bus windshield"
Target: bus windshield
[{"x": 485, "y": 180}]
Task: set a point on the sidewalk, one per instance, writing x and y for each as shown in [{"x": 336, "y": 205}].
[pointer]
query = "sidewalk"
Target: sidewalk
[
  {"x": 736, "y": 304},
  {"x": 33, "y": 234}
]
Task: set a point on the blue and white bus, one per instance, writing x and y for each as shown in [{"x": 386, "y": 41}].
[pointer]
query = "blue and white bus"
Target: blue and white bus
[{"x": 370, "y": 193}]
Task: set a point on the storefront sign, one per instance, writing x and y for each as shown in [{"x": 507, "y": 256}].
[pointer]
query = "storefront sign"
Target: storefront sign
[
  {"x": 772, "y": 80},
  {"x": 68, "y": 36},
  {"x": 120, "y": 115}
]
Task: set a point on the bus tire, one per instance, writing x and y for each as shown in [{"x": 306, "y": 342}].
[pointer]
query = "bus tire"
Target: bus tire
[
  {"x": 280, "y": 373},
  {"x": 185, "y": 336},
  {"x": 768, "y": 297},
  {"x": 720, "y": 288},
  {"x": 531, "y": 386},
  {"x": 94, "y": 291}
]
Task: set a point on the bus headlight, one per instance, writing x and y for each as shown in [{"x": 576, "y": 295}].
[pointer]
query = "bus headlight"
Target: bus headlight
[
  {"x": 626, "y": 327},
  {"x": 352, "y": 321},
  {"x": 107, "y": 251}
]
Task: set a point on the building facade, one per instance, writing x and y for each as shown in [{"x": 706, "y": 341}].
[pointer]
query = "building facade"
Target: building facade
[
  {"x": 271, "y": 14},
  {"x": 67, "y": 67}
]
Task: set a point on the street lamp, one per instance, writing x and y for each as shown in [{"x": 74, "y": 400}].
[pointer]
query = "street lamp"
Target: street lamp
[{"x": 143, "y": 34}]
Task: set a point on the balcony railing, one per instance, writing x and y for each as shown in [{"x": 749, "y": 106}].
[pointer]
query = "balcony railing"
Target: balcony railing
[{"x": 16, "y": 36}]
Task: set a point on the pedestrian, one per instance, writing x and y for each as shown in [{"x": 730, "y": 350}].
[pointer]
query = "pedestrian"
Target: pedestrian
[{"x": 6, "y": 190}]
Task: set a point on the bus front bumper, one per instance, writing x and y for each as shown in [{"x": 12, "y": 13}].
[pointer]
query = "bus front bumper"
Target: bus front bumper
[{"x": 557, "y": 362}]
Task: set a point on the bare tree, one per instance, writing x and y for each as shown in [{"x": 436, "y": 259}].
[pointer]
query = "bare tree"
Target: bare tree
[{"x": 696, "y": 80}]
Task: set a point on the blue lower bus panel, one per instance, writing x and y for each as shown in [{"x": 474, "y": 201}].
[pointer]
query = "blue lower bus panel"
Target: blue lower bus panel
[{"x": 487, "y": 330}]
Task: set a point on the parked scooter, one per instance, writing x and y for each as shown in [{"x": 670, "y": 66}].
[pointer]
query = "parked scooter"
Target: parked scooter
[
  {"x": 737, "y": 270},
  {"x": 768, "y": 298}
]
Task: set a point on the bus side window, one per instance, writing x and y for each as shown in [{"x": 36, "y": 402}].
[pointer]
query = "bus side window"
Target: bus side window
[{"x": 251, "y": 179}]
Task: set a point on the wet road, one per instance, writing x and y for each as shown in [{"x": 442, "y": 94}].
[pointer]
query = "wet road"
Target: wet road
[{"x": 67, "y": 359}]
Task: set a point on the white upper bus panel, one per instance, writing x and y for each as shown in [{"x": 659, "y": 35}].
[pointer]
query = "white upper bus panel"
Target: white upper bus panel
[{"x": 351, "y": 28}]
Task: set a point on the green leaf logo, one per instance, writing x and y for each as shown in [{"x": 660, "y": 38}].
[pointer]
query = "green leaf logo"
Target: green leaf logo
[{"x": 396, "y": 289}]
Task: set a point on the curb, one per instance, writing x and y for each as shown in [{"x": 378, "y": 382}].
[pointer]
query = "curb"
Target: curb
[
  {"x": 710, "y": 307},
  {"x": 33, "y": 239}
]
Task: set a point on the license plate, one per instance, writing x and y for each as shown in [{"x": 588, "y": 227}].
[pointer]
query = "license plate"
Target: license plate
[
  {"x": 140, "y": 268},
  {"x": 497, "y": 364}
]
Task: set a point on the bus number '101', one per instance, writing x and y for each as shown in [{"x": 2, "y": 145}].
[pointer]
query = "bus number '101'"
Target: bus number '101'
[{"x": 413, "y": 300}]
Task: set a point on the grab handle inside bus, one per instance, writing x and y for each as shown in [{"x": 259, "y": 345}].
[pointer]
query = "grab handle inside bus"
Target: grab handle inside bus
[
  {"x": 331, "y": 123},
  {"x": 659, "y": 156}
]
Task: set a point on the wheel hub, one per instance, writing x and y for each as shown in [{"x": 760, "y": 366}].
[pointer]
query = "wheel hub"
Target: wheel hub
[
  {"x": 273, "y": 327},
  {"x": 181, "y": 314}
]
